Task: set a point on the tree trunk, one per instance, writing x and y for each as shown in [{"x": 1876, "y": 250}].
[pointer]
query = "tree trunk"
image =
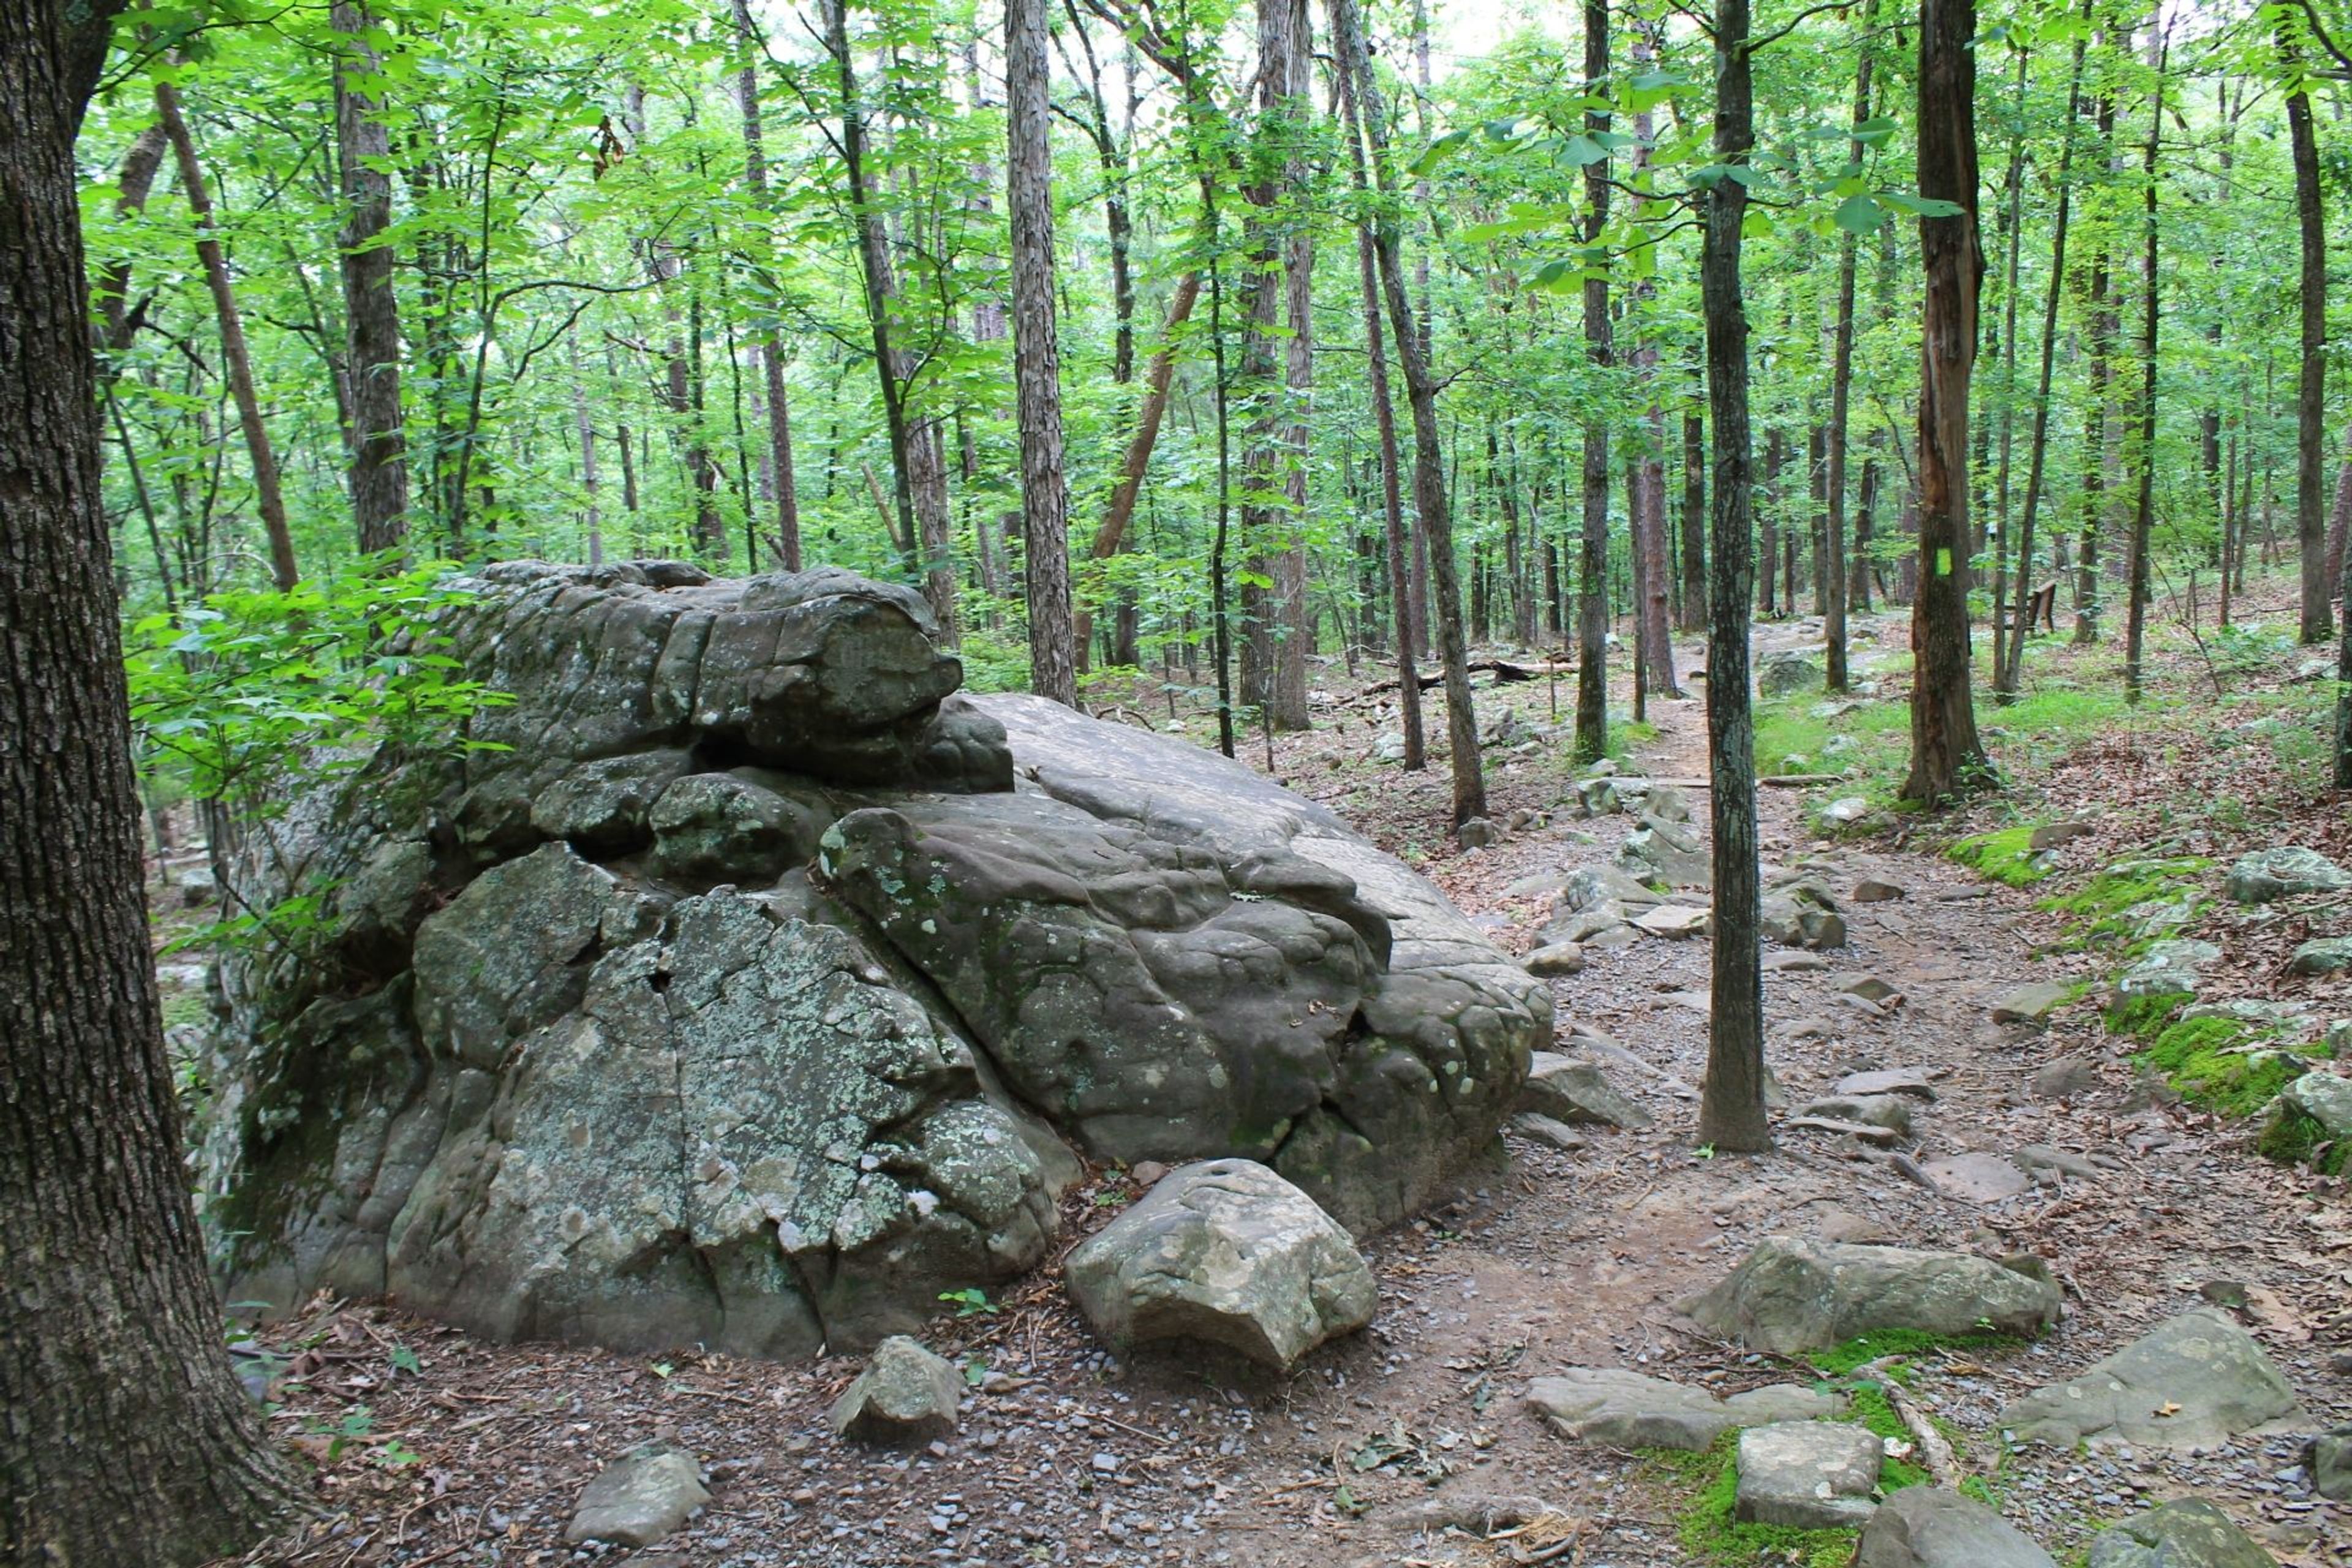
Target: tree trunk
[
  {"x": 1593, "y": 555},
  {"x": 1037, "y": 355},
  {"x": 1840, "y": 673},
  {"x": 1647, "y": 500},
  {"x": 268, "y": 497},
  {"x": 1111, "y": 536},
  {"x": 2311, "y": 384},
  {"x": 127, "y": 1438},
  {"x": 1945, "y": 756},
  {"x": 1694, "y": 611},
  {"x": 769, "y": 345},
  {"x": 1286, "y": 707},
  {"x": 2100, "y": 351},
  {"x": 1776, "y": 459},
  {"x": 1420, "y": 395},
  {"x": 379, "y": 461},
  {"x": 1731, "y": 1100},
  {"x": 2013, "y": 216},
  {"x": 2143, "y": 514}
]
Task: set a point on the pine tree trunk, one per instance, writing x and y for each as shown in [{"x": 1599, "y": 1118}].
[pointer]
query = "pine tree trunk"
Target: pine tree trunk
[
  {"x": 1037, "y": 355},
  {"x": 1945, "y": 756},
  {"x": 126, "y": 1439},
  {"x": 1731, "y": 1099}
]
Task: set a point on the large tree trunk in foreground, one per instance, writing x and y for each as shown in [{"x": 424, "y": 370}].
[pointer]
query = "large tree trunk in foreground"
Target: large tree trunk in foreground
[
  {"x": 1945, "y": 756},
  {"x": 379, "y": 458},
  {"x": 126, "y": 1439},
  {"x": 1731, "y": 1102},
  {"x": 1037, "y": 355},
  {"x": 1420, "y": 395}
]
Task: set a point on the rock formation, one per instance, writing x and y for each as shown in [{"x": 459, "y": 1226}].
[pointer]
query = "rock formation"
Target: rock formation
[{"x": 741, "y": 983}]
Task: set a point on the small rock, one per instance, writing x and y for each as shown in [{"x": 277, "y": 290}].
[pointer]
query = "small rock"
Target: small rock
[
  {"x": 1547, "y": 1131},
  {"x": 1588, "y": 887},
  {"x": 2322, "y": 956},
  {"x": 1795, "y": 963},
  {"x": 1807, "y": 1474},
  {"x": 1476, "y": 834},
  {"x": 1390, "y": 747},
  {"x": 2284, "y": 872},
  {"x": 1554, "y": 959},
  {"x": 2172, "y": 968},
  {"x": 1891, "y": 1112},
  {"x": 1627, "y": 1410},
  {"x": 1869, "y": 987},
  {"x": 2188, "y": 1532},
  {"x": 2331, "y": 1463},
  {"x": 2057, "y": 834},
  {"x": 1574, "y": 1091},
  {"x": 2065, "y": 1078},
  {"x": 1846, "y": 812},
  {"x": 638, "y": 1498},
  {"x": 1892, "y": 1080},
  {"x": 2036, "y": 1158},
  {"x": 1848, "y": 1228},
  {"x": 1145, "y": 1173},
  {"x": 1672, "y": 921},
  {"x": 1979, "y": 1178},
  {"x": 905, "y": 1396},
  {"x": 1929, "y": 1527},
  {"x": 2031, "y": 1003},
  {"x": 1782, "y": 673},
  {"x": 1871, "y": 891}
]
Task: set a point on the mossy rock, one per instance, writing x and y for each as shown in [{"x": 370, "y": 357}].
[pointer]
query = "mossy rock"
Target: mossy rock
[{"x": 2007, "y": 856}]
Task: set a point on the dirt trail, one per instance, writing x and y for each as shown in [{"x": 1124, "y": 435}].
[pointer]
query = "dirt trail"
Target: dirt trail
[{"x": 1562, "y": 1259}]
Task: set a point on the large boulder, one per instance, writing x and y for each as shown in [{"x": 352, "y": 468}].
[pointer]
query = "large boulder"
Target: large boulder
[
  {"x": 2196, "y": 1380},
  {"x": 1789, "y": 1294},
  {"x": 1929, "y": 1527},
  {"x": 739, "y": 982},
  {"x": 1228, "y": 1253}
]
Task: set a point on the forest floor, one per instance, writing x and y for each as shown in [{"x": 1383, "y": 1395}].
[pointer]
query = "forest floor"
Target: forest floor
[{"x": 1409, "y": 1443}]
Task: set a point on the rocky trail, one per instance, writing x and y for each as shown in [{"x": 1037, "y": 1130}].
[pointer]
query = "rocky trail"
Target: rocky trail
[{"x": 1918, "y": 1113}]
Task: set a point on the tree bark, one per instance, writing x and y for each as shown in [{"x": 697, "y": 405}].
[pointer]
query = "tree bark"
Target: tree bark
[
  {"x": 125, "y": 1437},
  {"x": 1694, "y": 611},
  {"x": 2101, "y": 353},
  {"x": 268, "y": 495},
  {"x": 1840, "y": 674},
  {"x": 1037, "y": 355},
  {"x": 2144, "y": 513},
  {"x": 1647, "y": 500},
  {"x": 1593, "y": 555},
  {"x": 769, "y": 345},
  {"x": 1945, "y": 756},
  {"x": 372, "y": 308},
  {"x": 2012, "y": 216},
  {"x": 2311, "y": 384},
  {"x": 1420, "y": 396},
  {"x": 133, "y": 183},
  {"x": 1731, "y": 1100},
  {"x": 1111, "y": 536}
]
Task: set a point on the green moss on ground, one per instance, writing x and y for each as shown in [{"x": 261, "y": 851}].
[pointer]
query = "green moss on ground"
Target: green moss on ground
[
  {"x": 1843, "y": 1361},
  {"x": 1705, "y": 1528},
  {"x": 2295, "y": 1136},
  {"x": 2223, "y": 1065},
  {"x": 2145, "y": 1017},
  {"x": 2005, "y": 856},
  {"x": 2098, "y": 913}
]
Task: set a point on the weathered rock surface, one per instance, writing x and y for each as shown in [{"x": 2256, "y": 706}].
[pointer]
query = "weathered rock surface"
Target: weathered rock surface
[
  {"x": 1568, "y": 1090},
  {"x": 638, "y": 1498},
  {"x": 905, "y": 1396},
  {"x": 2174, "y": 967},
  {"x": 745, "y": 997},
  {"x": 1792, "y": 1295},
  {"x": 1669, "y": 852},
  {"x": 1227, "y": 1252},
  {"x": 2322, "y": 956},
  {"x": 1624, "y": 1409},
  {"x": 2189, "y": 1532},
  {"x": 1554, "y": 959},
  {"x": 2198, "y": 1379},
  {"x": 1807, "y": 1474},
  {"x": 1929, "y": 1527},
  {"x": 1787, "y": 672},
  {"x": 2282, "y": 872},
  {"x": 1978, "y": 1177},
  {"x": 2063, "y": 1078},
  {"x": 2331, "y": 1464},
  {"x": 2031, "y": 1003}
]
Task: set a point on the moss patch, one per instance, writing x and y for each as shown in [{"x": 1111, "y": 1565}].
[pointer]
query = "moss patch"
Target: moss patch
[
  {"x": 1843, "y": 1361},
  {"x": 2006, "y": 855},
  {"x": 2145, "y": 1017},
  {"x": 2295, "y": 1136},
  {"x": 2224, "y": 1065},
  {"x": 2098, "y": 913},
  {"x": 1706, "y": 1528}
]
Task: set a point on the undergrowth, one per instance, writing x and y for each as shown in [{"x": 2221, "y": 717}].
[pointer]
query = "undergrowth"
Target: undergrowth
[
  {"x": 2006, "y": 855},
  {"x": 1843, "y": 1361},
  {"x": 2099, "y": 912},
  {"x": 2225, "y": 1065}
]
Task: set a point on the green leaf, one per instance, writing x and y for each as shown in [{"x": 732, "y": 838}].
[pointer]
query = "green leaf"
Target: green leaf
[{"x": 1859, "y": 213}]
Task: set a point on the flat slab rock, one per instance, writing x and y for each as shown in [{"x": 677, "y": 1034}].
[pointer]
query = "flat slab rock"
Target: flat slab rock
[
  {"x": 2189, "y": 1532},
  {"x": 2196, "y": 1381},
  {"x": 1568, "y": 1090},
  {"x": 1621, "y": 1409},
  {"x": 1807, "y": 1474},
  {"x": 2031, "y": 1003},
  {"x": 638, "y": 1498},
  {"x": 1792, "y": 1295},
  {"x": 1979, "y": 1178},
  {"x": 1227, "y": 1252},
  {"x": 1929, "y": 1527},
  {"x": 2282, "y": 872}
]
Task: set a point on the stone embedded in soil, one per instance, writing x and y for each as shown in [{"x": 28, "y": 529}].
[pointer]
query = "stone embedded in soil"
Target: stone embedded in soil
[
  {"x": 2331, "y": 1463},
  {"x": 1798, "y": 922},
  {"x": 2065, "y": 1078},
  {"x": 1891, "y": 1112},
  {"x": 2322, "y": 956},
  {"x": 1545, "y": 1129},
  {"x": 906, "y": 1395},
  {"x": 1871, "y": 891},
  {"x": 2036, "y": 1158},
  {"x": 1673, "y": 920},
  {"x": 1588, "y": 886},
  {"x": 1807, "y": 1474},
  {"x": 1227, "y": 1252},
  {"x": 2057, "y": 834},
  {"x": 1667, "y": 852},
  {"x": 2031, "y": 1003},
  {"x": 1887, "y": 1081},
  {"x": 1795, "y": 963},
  {"x": 2171, "y": 968},
  {"x": 2325, "y": 1098},
  {"x": 1574, "y": 1091},
  {"x": 2282, "y": 872},
  {"x": 1979, "y": 1178},
  {"x": 1621, "y": 1409},
  {"x": 638, "y": 1498},
  {"x": 2188, "y": 1532},
  {"x": 1929, "y": 1527},
  {"x": 1790, "y": 1295},
  {"x": 1554, "y": 959},
  {"x": 2195, "y": 1381}
]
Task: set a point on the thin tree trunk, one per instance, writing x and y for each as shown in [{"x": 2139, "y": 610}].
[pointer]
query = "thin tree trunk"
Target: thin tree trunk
[
  {"x": 1592, "y": 556},
  {"x": 1694, "y": 611},
  {"x": 769, "y": 344},
  {"x": 1731, "y": 1102},
  {"x": 1420, "y": 395},
  {"x": 1946, "y": 756},
  {"x": 2103, "y": 326},
  {"x": 268, "y": 497},
  {"x": 2143, "y": 514},
  {"x": 379, "y": 461},
  {"x": 133, "y": 183},
  {"x": 586, "y": 429},
  {"x": 2313, "y": 622},
  {"x": 1840, "y": 673},
  {"x": 1111, "y": 536},
  {"x": 1037, "y": 358},
  {"x": 127, "y": 1439},
  {"x": 1647, "y": 500},
  {"x": 2012, "y": 209}
]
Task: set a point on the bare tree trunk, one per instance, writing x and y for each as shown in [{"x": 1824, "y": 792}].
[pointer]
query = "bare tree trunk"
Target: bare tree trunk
[
  {"x": 2313, "y": 622},
  {"x": 1037, "y": 355},
  {"x": 1111, "y": 536},
  {"x": 1646, "y": 503},
  {"x": 1731, "y": 1099},
  {"x": 2143, "y": 514},
  {"x": 127, "y": 1438},
  {"x": 1694, "y": 613},
  {"x": 132, "y": 182},
  {"x": 1768, "y": 549},
  {"x": 1286, "y": 707},
  {"x": 268, "y": 497},
  {"x": 2013, "y": 216},
  {"x": 1592, "y": 557},
  {"x": 1945, "y": 756},
  {"x": 1420, "y": 395},
  {"x": 1840, "y": 673},
  {"x": 379, "y": 461},
  {"x": 769, "y": 345},
  {"x": 2101, "y": 349}
]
